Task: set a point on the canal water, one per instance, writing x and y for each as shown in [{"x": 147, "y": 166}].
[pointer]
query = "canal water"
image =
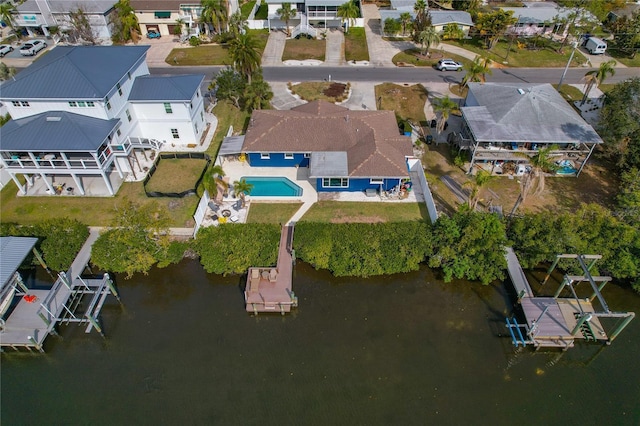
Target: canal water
[{"x": 399, "y": 350}]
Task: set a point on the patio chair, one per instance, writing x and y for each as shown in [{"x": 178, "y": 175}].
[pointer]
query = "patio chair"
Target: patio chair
[{"x": 273, "y": 275}]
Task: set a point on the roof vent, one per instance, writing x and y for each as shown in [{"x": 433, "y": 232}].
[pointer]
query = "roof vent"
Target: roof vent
[
  {"x": 54, "y": 118},
  {"x": 521, "y": 91}
]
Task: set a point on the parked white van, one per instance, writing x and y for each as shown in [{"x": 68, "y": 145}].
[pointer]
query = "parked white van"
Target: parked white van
[{"x": 595, "y": 46}]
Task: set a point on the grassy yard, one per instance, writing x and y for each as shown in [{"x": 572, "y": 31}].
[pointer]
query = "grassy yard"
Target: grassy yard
[
  {"x": 246, "y": 9},
  {"x": 271, "y": 212},
  {"x": 228, "y": 115},
  {"x": 304, "y": 48},
  {"x": 407, "y": 101},
  {"x": 96, "y": 211},
  {"x": 414, "y": 57},
  {"x": 210, "y": 54},
  {"x": 314, "y": 90},
  {"x": 355, "y": 45},
  {"x": 624, "y": 58},
  {"x": 545, "y": 57},
  {"x": 369, "y": 212},
  {"x": 176, "y": 175},
  {"x": 570, "y": 93}
]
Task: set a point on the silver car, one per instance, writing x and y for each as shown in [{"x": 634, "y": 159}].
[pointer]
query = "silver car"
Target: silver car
[
  {"x": 4, "y": 49},
  {"x": 32, "y": 47},
  {"x": 448, "y": 65}
]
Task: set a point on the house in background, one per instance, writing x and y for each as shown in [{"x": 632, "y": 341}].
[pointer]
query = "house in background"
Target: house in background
[
  {"x": 38, "y": 16},
  {"x": 163, "y": 14},
  {"x": 82, "y": 112},
  {"x": 317, "y": 14},
  {"x": 439, "y": 18},
  {"x": 542, "y": 18},
  {"x": 506, "y": 122},
  {"x": 344, "y": 150}
]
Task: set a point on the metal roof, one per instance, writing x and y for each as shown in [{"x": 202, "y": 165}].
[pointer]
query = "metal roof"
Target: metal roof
[
  {"x": 328, "y": 164},
  {"x": 74, "y": 72},
  {"x": 438, "y": 17},
  {"x": 231, "y": 145},
  {"x": 64, "y": 6},
  {"x": 13, "y": 251},
  {"x": 533, "y": 15},
  {"x": 56, "y": 131},
  {"x": 165, "y": 88},
  {"x": 516, "y": 112}
]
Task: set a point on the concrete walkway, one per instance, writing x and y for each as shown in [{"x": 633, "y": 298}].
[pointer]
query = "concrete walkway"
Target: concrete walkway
[
  {"x": 334, "y": 55},
  {"x": 272, "y": 55}
]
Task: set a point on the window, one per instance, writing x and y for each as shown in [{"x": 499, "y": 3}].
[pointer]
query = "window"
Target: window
[
  {"x": 307, "y": 155},
  {"x": 73, "y": 104},
  {"x": 335, "y": 182},
  {"x": 288, "y": 156},
  {"x": 15, "y": 103},
  {"x": 196, "y": 127},
  {"x": 118, "y": 132},
  {"x": 108, "y": 105},
  {"x": 198, "y": 94},
  {"x": 175, "y": 134},
  {"x": 190, "y": 105},
  {"x": 119, "y": 89},
  {"x": 264, "y": 156},
  {"x": 24, "y": 103},
  {"x": 128, "y": 115},
  {"x": 129, "y": 75},
  {"x": 82, "y": 104},
  {"x": 376, "y": 181},
  {"x": 162, "y": 15},
  {"x": 201, "y": 116},
  {"x": 90, "y": 104},
  {"x": 167, "y": 108}
]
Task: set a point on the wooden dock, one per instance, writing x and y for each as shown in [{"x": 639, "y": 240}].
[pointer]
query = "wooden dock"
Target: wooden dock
[{"x": 269, "y": 289}]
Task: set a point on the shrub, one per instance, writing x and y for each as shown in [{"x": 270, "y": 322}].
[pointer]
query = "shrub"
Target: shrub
[{"x": 194, "y": 41}]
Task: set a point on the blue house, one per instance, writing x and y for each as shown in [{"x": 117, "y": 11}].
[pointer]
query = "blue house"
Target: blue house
[{"x": 345, "y": 150}]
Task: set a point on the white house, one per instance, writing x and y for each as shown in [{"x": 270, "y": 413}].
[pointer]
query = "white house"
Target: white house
[
  {"x": 163, "y": 14},
  {"x": 317, "y": 14},
  {"x": 38, "y": 16},
  {"x": 546, "y": 18},
  {"x": 83, "y": 111},
  {"x": 439, "y": 18}
]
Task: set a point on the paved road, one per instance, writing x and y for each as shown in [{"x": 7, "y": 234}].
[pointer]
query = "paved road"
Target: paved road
[{"x": 407, "y": 75}]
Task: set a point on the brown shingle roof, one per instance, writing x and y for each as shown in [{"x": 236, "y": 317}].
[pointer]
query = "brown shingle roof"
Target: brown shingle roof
[{"x": 371, "y": 139}]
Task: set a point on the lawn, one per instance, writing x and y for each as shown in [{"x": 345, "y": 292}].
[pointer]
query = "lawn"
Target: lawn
[
  {"x": 414, "y": 57},
  {"x": 406, "y": 100},
  {"x": 210, "y": 54},
  {"x": 246, "y": 9},
  {"x": 94, "y": 211},
  {"x": 368, "y": 212},
  {"x": 304, "y": 48},
  {"x": 228, "y": 115},
  {"x": 545, "y": 57},
  {"x": 271, "y": 212},
  {"x": 570, "y": 93},
  {"x": 624, "y": 58},
  {"x": 355, "y": 45},
  {"x": 313, "y": 90},
  {"x": 176, "y": 175}
]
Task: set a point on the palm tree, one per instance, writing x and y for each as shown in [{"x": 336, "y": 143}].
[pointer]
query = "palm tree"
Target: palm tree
[
  {"x": 258, "y": 94},
  {"x": 428, "y": 37},
  {"x": 214, "y": 12},
  {"x": 244, "y": 53},
  {"x": 237, "y": 24},
  {"x": 476, "y": 70},
  {"x": 286, "y": 13},
  {"x": 405, "y": 19},
  {"x": 444, "y": 106},
  {"x": 597, "y": 77},
  {"x": 479, "y": 181},
  {"x": 213, "y": 179},
  {"x": 177, "y": 30},
  {"x": 422, "y": 20},
  {"x": 242, "y": 188},
  {"x": 348, "y": 12},
  {"x": 540, "y": 163},
  {"x": 7, "y": 9},
  {"x": 452, "y": 32}
]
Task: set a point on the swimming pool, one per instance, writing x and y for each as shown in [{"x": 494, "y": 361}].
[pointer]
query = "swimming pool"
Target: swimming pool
[{"x": 273, "y": 187}]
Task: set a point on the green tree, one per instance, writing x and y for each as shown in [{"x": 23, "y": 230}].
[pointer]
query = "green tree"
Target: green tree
[
  {"x": 237, "y": 24},
  {"x": 215, "y": 13},
  {"x": 628, "y": 198},
  {"x": 626, "y": 34},
  {"x": 287, "y": 13},
  {"x": 243, "y": 50},
  {"x": 124, "y": 23},
  {"x": 427, "y": 37},
  {"x": 6, "y": 72},
  {"x": 229, "y": 84},
  {"x": 242, "y": 188},
  {"x": 597, "y": 77},
  {"x": 405, "y": 21},
  {"x": 179, "y": 27},
  {"x": 444, "y": 107},
  {"x": 213, "y": 179},
  {"x": 258, "y": 94},
  {"x": 620, "y": 124},
  {"x": 81, "y": 27},
  {"x": 348, "y": 12},
  {"x": 492, "y": 25},
  {"x": 479, "y": 181},
  {"x": 138, "y": 239},
  {"x": 471, "y": 6},
  {"x": 476, "y": 70},
  {"x": 422, "y": 20},
  {"x": 7, "y": 10},
  {"x": 577, "y": 21},
  {"x": 452, "y": 32},
  {"x": 392, "y": 26}
]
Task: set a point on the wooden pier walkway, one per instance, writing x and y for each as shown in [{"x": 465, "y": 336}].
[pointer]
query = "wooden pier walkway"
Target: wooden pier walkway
[{"x": 268, "y": 289}]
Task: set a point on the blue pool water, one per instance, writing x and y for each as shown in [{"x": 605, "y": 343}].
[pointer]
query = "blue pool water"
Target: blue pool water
[{"x": 273, "y": 187}]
